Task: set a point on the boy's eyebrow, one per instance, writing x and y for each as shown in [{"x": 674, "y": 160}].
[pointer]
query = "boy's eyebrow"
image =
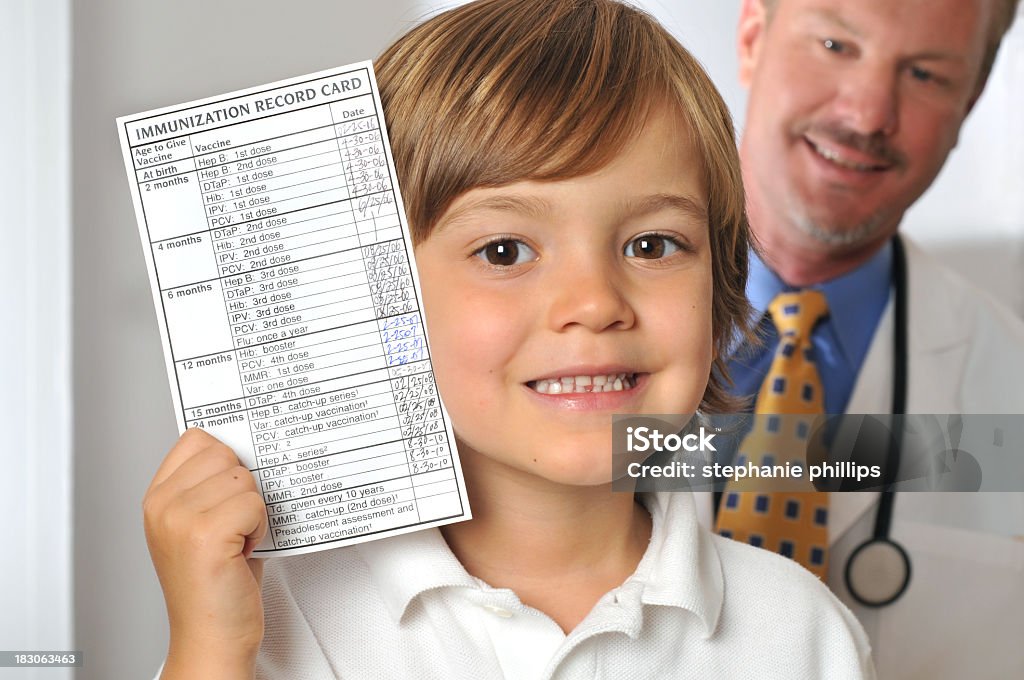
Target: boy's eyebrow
[
  {"x": 657, "y": 202},
  {"x": 537, "y": 208},
  {"x": 530, "y": 206}
]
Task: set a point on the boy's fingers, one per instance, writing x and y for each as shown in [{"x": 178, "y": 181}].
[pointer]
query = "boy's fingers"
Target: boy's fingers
[
  {"x": 233, "y": 523},
  {"x": 216, "y": 489},
  {"x": 205, "y": 465},
  {"x": 188, "y": 445}
]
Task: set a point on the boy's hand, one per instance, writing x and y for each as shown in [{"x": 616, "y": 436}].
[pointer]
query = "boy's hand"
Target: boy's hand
[{"x": 203, "y": 517}]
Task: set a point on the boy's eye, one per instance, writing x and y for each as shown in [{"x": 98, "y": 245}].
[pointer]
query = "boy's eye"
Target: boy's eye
[
  {"x": 651, "y": 247},
  {"x": 506, "y": 253}
]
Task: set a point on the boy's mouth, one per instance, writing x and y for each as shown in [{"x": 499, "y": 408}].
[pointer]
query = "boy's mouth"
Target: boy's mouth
[{"x": 584, "y": 384}]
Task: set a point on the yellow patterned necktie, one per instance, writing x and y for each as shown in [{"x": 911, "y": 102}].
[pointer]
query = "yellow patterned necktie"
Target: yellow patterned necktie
[{"x": 794, "y": 524}]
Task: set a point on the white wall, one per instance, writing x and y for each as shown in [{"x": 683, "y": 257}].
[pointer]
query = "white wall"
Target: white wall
[
  {"x": 130, "y": 56},
  {"x": 35, "y": 337}
]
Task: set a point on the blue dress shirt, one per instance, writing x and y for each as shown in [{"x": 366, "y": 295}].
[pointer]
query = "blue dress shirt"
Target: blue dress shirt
[{"x": 855, "y": 300}]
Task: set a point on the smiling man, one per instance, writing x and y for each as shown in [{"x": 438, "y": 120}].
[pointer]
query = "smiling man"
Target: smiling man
[{"x": 853, "y": 110}]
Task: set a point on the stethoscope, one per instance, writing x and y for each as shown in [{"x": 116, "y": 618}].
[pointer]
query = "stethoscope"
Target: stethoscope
[{"x": 877, "y": 572}]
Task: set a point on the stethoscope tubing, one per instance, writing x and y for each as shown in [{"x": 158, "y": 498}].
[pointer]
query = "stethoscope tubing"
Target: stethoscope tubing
[
  {"x": 883, "y": 518},
  {"x": 887, "y": 498}
]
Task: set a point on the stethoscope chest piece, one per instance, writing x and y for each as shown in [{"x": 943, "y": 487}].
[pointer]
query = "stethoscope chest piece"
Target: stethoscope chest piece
[{"x": 878, "y": 572}]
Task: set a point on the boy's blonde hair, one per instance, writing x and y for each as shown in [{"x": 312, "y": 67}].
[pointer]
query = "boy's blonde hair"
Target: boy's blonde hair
[{"x": 500, "y": 91}]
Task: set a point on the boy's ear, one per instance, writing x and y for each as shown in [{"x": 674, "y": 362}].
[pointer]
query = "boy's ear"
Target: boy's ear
[{"x": 749, "y": 35}]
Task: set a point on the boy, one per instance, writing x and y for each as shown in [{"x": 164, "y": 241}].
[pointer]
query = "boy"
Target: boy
[{"x": 573, "y": 190}]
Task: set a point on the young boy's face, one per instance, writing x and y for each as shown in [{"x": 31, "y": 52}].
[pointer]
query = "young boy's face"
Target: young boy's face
[{"x": 537, "y": 292}]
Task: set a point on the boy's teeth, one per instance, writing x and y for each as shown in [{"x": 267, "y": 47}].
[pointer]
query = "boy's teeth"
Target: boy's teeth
[{"x": 584, "y": 384}]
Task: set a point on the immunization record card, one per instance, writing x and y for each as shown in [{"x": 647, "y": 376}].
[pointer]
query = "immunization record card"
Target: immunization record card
[{"x": 289, "y": 307}]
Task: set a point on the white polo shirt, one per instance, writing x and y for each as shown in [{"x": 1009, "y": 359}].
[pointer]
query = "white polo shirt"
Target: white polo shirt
[{"x": 698, "y": 606}]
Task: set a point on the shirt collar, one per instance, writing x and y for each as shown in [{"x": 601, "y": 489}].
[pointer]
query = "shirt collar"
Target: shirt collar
[
  {"x": 855, "y": 299},
  {"x": 405, "y": 566},
  {"x": 680, "y": 568}
]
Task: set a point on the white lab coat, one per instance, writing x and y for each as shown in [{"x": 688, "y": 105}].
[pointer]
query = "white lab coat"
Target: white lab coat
[{"x": 962, "y": 615}]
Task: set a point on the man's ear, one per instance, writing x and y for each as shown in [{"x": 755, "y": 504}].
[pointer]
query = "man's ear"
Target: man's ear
[
  {"x": 749, "y": 35},
  {"x": 967, "y": 111},
  {"x": 978, "y": 90}
]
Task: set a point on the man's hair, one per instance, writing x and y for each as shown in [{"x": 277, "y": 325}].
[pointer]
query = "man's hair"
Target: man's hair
[
  {"x": 500, "y": 91},
  {"x": 1002, "y": 18},
  {"x": 1003, "y": 14}
]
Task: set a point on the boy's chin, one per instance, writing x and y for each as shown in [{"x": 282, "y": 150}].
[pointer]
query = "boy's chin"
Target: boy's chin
[
  {"x": 584, "y": 468},
  {"x": 579, "y": 461}
]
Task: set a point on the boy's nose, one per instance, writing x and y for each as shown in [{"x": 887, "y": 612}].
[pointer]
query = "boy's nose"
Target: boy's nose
[{"x": 592, "y": 297}]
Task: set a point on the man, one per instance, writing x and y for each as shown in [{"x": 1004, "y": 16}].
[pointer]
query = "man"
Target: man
[{"x": 853, "y": 109}]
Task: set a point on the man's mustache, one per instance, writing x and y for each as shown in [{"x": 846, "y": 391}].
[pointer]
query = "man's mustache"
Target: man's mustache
[{"x": 874, "y": 145}]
